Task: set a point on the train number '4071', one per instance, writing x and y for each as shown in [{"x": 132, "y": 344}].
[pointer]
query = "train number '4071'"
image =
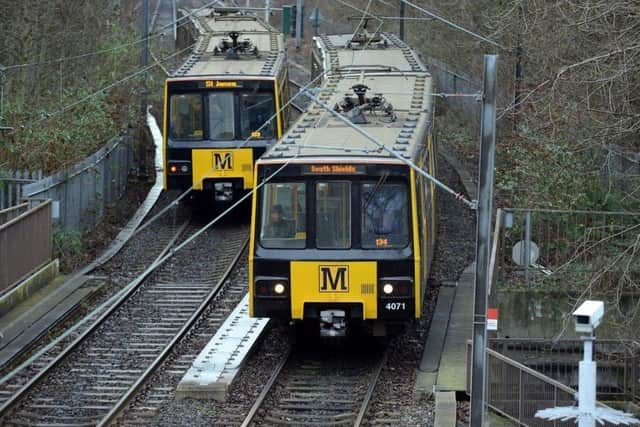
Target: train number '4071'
[{"x": 395, "y": 306}]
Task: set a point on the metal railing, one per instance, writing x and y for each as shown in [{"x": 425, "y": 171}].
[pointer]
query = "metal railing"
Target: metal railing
[
  {"x": 517, "y": 392},
  {"x": 11, "y": 186},
  {"x": 618, "y": 376},
  {"x": 25, "y": 242},
  {"x": 81, "y": 193}
]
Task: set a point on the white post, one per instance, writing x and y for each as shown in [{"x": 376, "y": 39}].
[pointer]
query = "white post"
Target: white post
[
  {"x": 299, "y": 19},
  {"x": 587, "y": 385},
  {"x": 267, "y": 10}
]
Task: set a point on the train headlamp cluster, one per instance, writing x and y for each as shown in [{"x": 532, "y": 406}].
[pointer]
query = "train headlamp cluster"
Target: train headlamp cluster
[
  {"x": 271, "y": 287},
  {"x": 180, "y": 168},
  {"x": 395, "y": 287}
]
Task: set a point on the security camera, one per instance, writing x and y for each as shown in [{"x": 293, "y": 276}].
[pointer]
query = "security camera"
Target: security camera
[{"x": 588, "y": 316}]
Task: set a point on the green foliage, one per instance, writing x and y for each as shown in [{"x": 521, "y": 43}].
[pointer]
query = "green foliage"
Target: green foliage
[
  {"x": 58, "y": 110},
  {"x": 67, "y": 246}
]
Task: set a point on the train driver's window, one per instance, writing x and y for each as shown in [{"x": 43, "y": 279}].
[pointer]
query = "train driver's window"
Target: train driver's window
[
  {"x": 186, "y": 117},
  {"x": 255, "y": 110},
  {"x": 333, "y": 215},
  {"x": 221, "y": 116},
  {"x": 283, "y": 212},
  {"x": 385, "y": 219}
]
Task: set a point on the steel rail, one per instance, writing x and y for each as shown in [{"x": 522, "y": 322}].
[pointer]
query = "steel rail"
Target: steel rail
[
  {"x": 131, "y": 392},
  {"x": 371, "y": 389},
  {"x": 266, "y": 389},
  {"x": 122, "y": 297}
]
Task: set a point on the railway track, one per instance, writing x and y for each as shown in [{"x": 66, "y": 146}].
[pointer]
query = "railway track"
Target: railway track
[
  {"x": 161, "y": 388},
  {"x": 319, "y": 389},
  {"x": 141, "y": 250},
  {"x": 90, "y": 380}
]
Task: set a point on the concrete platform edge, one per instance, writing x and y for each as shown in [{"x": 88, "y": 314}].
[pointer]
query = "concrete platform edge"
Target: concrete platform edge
[{"x": 36, "y": 281}]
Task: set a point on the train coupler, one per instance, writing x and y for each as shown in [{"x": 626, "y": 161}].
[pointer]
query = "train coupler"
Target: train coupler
[{"x": 333, "y": 323}]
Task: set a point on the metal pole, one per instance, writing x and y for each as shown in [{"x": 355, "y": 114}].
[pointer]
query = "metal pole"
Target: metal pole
[
  {"x": 298, "y": 23},
  {"x": 587, "y": 385},
  {"x": 401, "y": 20},
  {"x": 1, "y": 93},
  {"x": 175, "y": 25},
  {"x": 519, "y": 53},
  {"x": 267, "y": 10},
  {"x": 527, "y": 247},
  {"x": 483, "y": 244}
]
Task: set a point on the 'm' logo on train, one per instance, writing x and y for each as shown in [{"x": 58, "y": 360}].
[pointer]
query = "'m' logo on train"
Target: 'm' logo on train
[
  {"x": 222, "y": 161},
  {"x": 334, "y": 278}
]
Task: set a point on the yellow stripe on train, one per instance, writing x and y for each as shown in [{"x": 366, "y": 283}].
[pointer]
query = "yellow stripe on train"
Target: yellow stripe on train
[
  {"x": 334, "y": 282},
  {"x": 224, "y": 163}
]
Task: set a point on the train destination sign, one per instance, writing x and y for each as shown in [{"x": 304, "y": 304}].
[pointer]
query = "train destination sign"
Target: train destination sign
[
  {"x": 333, "y": 169},
  {"x": 220, "y": 84}
]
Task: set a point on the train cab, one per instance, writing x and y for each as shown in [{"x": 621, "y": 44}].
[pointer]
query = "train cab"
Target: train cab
[
  {"x": 337, "y": 243},
  {"x": 224, "y": 106}
]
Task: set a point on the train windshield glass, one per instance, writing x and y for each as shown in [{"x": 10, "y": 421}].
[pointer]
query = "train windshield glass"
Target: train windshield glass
[
  {"x": 221, "y": 114},
  {"x": 283, "y": 216},
  {"x": 231, "y": 115},
  {"x": 333, "y": 215},
  {"x": 255, "y": 110},
  {"x": 385, "y": 219},
  {"x": 186, "y": 117}
]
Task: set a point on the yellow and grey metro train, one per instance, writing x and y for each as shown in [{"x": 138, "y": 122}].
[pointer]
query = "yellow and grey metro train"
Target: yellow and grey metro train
[
  {"x": 230, "y": 86},
  {"x": 342, "y": 232}
]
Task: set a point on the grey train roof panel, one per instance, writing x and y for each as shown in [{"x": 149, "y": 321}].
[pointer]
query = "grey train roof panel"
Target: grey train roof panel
[
  {"x": 391, "y": 69},
  {"x": 211, "y": 26}
]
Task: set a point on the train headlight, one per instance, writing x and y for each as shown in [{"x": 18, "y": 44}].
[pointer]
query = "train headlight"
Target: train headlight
[
  {"x": 387, "y": 288},
  {"x": 184, "y": 169},
  {"x": 279, "y": 288},
  {"x": 173, "y": 168}
]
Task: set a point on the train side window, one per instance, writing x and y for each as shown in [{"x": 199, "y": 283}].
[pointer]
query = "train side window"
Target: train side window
[
  {"x": 186, "y": 117},
  {"x": 221, "y": 116},
  {"x": 255, "y": 110},
  {"x": 333, "y": 215},
  {"x": 283, "y": 216},
  {"x": 385, "y": 216}
]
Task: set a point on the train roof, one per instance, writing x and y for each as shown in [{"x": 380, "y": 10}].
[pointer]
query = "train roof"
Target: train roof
[
  {"x": 405, "y": 86},
  {"x": 212, "y": 26},
  {"x": 377, "y": 50}
]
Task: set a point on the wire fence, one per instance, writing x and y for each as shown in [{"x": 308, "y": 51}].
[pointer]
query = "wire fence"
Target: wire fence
[
  {"x": 572, "y": 250},
  {"x": 81, "y": 193}
]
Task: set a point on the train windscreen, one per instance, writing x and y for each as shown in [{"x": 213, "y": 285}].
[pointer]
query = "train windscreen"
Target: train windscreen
[{"x": 230, "y": 115}]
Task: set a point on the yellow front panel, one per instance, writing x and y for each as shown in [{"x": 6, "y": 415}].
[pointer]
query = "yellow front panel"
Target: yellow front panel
[
  {"x": 222, "y": 163},
  {"x": 345, "y": 282}
]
